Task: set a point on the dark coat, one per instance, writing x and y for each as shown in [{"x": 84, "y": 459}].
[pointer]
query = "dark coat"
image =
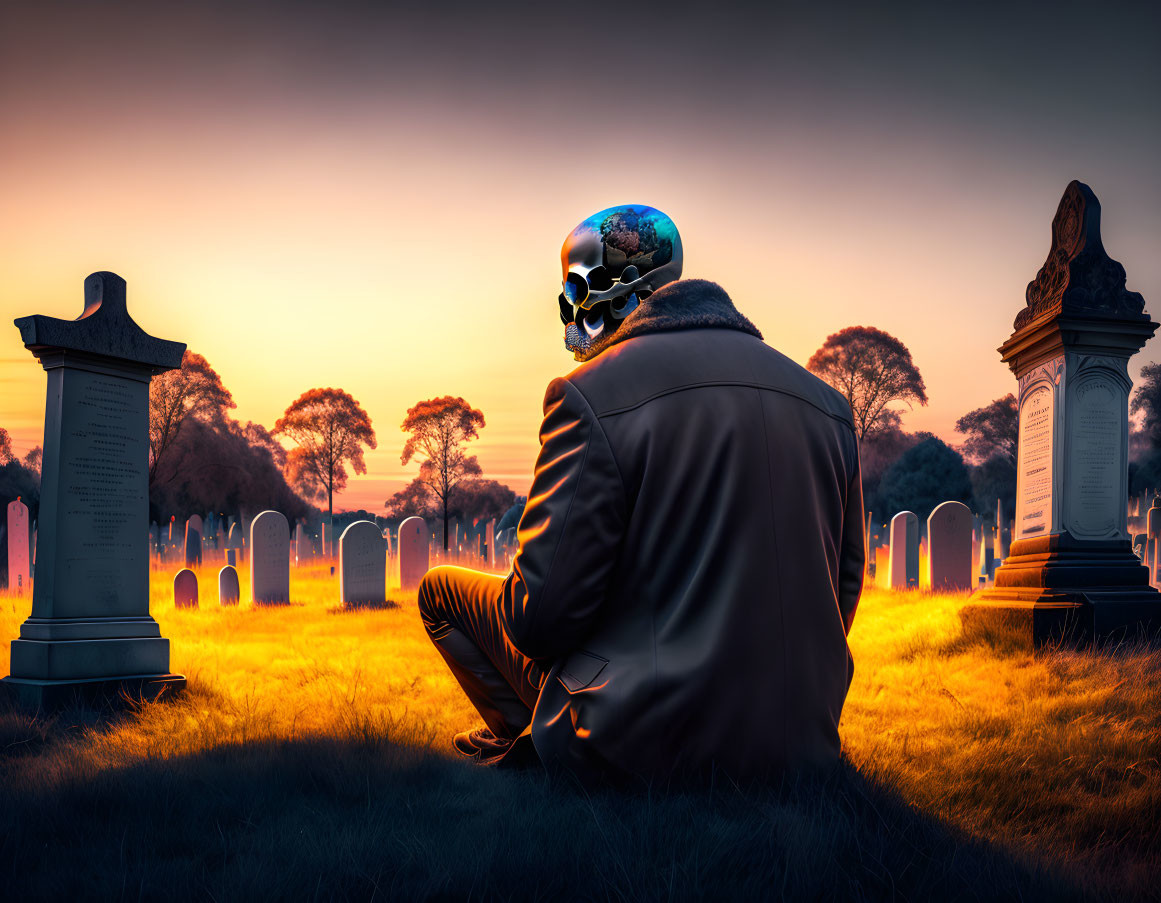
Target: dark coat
[{"x": 691, "y": 554}]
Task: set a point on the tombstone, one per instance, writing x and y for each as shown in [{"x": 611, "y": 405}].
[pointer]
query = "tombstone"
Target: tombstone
[
  {"x": 193, "y": 541},
  {"x": 490, "y": 543},
  {"x": 414, "y": 541},
  {"x": 90, "y": 634},
  {"x": 185, "y": 589},
  {"x": 234, "y": 539},
  {"x": 1071, "y": 573},
  {"x": 1152, "y": 537},
  {"x": 987, "y": 562},
  {"x": 362, "y": 565},
  {"x": 228, "y": 589},
  {"x": 1002, "y": 536},
  {"x": 232, "y": 557},
  {"x": 949, "y": 537},
  {"x": 299, "y": 546},
  {"x": 18, "y": 559},
  {"x": 904, "y": 568},
  {"x": 270, "y": 559}
]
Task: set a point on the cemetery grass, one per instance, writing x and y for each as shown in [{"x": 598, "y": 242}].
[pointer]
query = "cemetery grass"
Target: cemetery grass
[{"x": 309, "y": 758}]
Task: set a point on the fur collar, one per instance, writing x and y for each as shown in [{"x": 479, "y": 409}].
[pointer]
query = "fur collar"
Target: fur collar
[{"x": 685, "y": 304}]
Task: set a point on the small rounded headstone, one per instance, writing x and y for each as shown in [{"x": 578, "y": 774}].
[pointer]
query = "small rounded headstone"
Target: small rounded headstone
[
  {"x": 185, "y": 589},
  {"x": 228, "y": 590}
]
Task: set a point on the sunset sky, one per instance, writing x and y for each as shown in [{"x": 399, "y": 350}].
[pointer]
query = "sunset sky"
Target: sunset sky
[{"x": 344, "y": 195}]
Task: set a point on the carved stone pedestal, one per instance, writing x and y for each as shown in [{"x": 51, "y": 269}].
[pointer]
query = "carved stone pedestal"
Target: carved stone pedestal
[
  {"x": 1071, "y": 574},
  {"x": 90, "y": 634}
]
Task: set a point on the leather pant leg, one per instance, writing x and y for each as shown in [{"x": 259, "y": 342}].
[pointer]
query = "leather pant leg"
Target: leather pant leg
[{"x": 461, "y": 612}]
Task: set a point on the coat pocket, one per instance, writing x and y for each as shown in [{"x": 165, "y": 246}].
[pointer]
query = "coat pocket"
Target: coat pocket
[{"x": 580, "y": 669}]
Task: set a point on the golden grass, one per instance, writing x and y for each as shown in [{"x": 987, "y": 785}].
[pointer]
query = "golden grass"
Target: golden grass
[{"x": 1054, "y": 756}]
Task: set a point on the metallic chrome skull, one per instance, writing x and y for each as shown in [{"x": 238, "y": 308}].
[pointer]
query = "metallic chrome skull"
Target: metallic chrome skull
[{"x": 610, "y": 263}]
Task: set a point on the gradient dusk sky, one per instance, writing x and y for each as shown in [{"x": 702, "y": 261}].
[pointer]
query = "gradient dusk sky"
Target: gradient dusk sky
[{"x": 341, "y": 194}]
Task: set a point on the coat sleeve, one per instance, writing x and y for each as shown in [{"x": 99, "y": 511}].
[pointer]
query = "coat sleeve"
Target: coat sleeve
[
  {"x": 852, "y": 561},
  {"x": 569, "y": 535}
]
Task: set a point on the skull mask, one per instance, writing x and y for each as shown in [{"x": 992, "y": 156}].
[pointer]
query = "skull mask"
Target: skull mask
[{"x": 610, "y": 263}]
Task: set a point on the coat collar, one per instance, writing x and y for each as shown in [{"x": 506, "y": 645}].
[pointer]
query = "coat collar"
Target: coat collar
[{"x": 685, "y": 304}]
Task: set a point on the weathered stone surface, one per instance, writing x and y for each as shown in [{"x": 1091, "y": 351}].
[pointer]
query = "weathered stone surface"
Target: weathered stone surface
[
  {"x": 949, "y": 538},
  {"x": 185, "y": 589},
  {"x": 362, "y": 565},
  {"x": 104, "y": 328},
  {"x": 414, "y": 542},
  {"x": 1071, "y": 571},
  {"x": 90, "y": 609},
  {"x": 1079, "y": 276},
  {"x": 904, "y": 571},
  {"x": 18, "y": 558},
  {"x": 270, "y": 559},
  {"x": 228, "y": 589}
]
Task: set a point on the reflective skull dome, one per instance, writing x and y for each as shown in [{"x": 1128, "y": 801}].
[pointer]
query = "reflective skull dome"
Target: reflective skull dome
[{"x": 620, "y": 255}]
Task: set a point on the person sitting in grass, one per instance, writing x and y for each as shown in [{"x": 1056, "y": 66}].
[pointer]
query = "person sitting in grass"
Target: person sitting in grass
[{"x": 691, "y": 553}]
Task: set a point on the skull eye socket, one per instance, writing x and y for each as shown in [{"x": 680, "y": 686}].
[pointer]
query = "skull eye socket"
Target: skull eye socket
[
  {"x": 565, "y": 309},
  {"x": 599, "y": 279},
  {"x": 575, "y": 288}
]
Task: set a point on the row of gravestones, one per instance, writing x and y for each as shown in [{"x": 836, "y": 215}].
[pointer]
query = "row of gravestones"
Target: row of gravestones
[
  {"x": 1147, "y": 544},
  {"x": 188, "y": 543},
  {"x": 962, "y": 552},
  {"x": 950, "y": 562},
  {"x": 362, "y": 564}
]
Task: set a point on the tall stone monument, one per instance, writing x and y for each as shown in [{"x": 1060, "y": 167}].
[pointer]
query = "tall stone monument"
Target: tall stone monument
[
  {"x": 1071, "y": 572},
  {"x": 90, "y": 634}
]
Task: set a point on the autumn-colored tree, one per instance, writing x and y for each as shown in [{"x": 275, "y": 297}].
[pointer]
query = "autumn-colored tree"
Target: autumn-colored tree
[
  {"x": 872, "y": 369},
  {"x": 193, "y": 390},
  {"x": 439, "y": 428},
  {"x": 991, "y": 430},
  {"x": 330, "y": 430},
  {"x": 5, "y": 446}
]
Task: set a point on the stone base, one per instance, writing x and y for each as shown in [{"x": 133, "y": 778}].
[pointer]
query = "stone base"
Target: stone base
[
  {"x": 51, "y": 695},
  {"x": 89, "y": 659},
  {"x": 1057, "y": 589},
  {"x": 1040, "y": 617}
]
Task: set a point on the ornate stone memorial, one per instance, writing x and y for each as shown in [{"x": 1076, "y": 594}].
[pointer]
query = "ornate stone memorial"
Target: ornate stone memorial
[
  {"x": 1071, "y": 572},
  {"x": 90, "y": 634}
]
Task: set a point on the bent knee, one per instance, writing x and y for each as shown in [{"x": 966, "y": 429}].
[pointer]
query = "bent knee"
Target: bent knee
[{"x": 431, "y": 590}]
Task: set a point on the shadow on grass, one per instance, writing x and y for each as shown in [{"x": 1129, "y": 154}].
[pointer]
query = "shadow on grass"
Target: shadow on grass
[
  {"x": 365, "y": 817},
  {"x": 385, "y": 605}
]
